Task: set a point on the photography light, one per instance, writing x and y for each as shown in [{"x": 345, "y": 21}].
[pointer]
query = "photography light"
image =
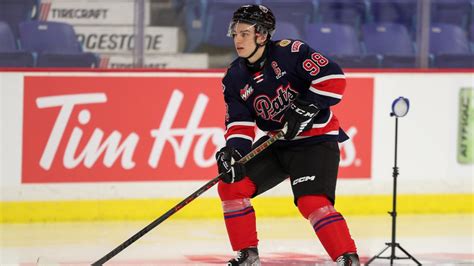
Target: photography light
[{"x": 400, "y": 107}]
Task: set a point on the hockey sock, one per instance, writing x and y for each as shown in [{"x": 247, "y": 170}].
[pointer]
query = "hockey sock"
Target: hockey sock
[
  {"x": 239, "y": 215},
  {"x": 329, "y": 225},
  {"x": 241, "y": 227}
]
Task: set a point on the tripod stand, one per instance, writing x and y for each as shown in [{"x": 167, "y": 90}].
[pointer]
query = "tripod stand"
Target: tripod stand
[{"x": 393, "y": 244}]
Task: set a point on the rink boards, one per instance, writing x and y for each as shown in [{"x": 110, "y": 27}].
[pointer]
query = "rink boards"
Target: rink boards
[{"x": 129, "y": 145}]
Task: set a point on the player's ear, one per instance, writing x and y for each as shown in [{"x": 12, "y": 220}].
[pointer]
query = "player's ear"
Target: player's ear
[{"x": 262, "y": 38}]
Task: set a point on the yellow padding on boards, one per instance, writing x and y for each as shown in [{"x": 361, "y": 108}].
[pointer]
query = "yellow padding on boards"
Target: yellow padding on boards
[{"x": 149, "y": 209}]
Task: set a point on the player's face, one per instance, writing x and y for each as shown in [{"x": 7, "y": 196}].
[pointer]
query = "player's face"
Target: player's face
[{"x": 244, "y": 38}]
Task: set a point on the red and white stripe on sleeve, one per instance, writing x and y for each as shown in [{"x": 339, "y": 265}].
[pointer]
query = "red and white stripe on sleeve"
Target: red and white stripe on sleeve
[
  {"x": 331, "y": 86},
  {"x": 240, "y": 129}
]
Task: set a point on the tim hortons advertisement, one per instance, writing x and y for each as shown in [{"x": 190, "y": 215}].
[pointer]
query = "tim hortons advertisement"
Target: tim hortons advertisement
[{"x": 104, "y": 129}]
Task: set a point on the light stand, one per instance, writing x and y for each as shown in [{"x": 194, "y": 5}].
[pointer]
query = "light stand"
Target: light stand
[{"x": 399, "y": 109}]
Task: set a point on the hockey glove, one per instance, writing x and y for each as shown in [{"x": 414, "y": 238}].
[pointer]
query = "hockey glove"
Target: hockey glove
[
  {"x": 299, "y": 117},
  {"x": 231, "y": 170}
]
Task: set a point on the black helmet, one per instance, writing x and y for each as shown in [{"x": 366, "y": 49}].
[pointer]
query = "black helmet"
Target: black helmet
[{"x": 259, "y": 15}]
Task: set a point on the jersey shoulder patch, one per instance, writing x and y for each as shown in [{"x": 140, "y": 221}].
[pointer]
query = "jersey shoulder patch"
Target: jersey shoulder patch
[
  {"x": 284, "y": 43},
  {"x": 295, "y": 47}
]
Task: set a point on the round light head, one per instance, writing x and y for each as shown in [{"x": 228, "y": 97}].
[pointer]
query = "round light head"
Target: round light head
[{"x": 400, "y": 107}]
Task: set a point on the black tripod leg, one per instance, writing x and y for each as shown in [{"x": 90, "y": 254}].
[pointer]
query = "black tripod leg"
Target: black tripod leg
[
  {"x": 408, "y": 254},
  {"x": 377, "y": 256}
]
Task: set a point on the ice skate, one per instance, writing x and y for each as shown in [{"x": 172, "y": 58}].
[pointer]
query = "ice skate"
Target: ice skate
[
  {"x": 246, "y": 257},
  {"x": 348, "y": 259}
]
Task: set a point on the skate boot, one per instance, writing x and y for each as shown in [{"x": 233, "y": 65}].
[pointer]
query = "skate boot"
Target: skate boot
[
  {"x": 246, "y": 257},
  {"x": 348, "y": 259}
]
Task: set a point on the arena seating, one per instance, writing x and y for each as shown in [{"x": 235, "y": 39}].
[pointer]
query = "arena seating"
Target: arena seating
[
  {"x": 341, "y": 43},
  {"x": 455, "y": 12},
  {"x": 10, "y": 56},
  {"x": 15, "y": 11},
  {"x": 55, "y": 44},
  {"x": 353, "y": 12},
  {"x": 297, "y": 12},
  {"x": 207, "y": 24},
  {"x": 391, "y": 42},
  {"x": 218, "y": 17},
  {"x": 450, "y": 47},
  {"x": 395, "y": 11},
  {"x": 287, "y": 30},
  {"x": 471, "y": 35},
  {"x": 358, "y": 33}
]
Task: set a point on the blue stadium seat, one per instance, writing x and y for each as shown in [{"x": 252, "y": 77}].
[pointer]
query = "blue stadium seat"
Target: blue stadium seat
[
  {"x": 456, "y": 12},
  {"x": 471, "y": 35},
  {"x": 194, "y": 19},
  {"x": 207, "y": 22},
  {"x": 332, "y": 38},
  {"x": 218, "y": 15},
  {"x": 391, "y": 42},
  {"x": 10, "y": 56},
  {"x": 56, "y": 45},
  {"x": 353, "y": 12},
  {"x": 15, "y": 11},
  {"x": 450, "y": 47},
  {"x": 395, "y": 11},
  {"x": 340, "y": 42},
  {"x": 287, "y": 30},
  {"x": 296, "y": 12}
]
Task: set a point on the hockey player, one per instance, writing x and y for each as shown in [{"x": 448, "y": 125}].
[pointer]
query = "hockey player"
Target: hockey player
[{"x": 281, "y": 85}]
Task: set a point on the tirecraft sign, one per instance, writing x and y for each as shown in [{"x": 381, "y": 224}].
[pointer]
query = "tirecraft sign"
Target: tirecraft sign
[
  {"x": 103, "y": 129},
  {"x": 116, "y": 39},
  {"x": 91, "y": 12}
]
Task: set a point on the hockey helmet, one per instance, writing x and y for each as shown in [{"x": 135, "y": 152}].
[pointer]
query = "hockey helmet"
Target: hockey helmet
[{"x": 258, "y": 15}]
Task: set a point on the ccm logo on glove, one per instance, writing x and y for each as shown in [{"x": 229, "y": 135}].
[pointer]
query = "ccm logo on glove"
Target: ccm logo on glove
[{"x": 299, "y": 117}]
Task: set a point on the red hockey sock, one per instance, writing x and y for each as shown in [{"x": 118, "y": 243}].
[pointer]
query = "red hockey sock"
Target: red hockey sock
[
  {"x": 329, "y": 225},
  {"x": 239, "y": 214},
  {"x": 241, "y": 228}
]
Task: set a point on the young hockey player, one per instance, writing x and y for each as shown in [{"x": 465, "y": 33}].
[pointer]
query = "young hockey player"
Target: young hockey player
[{"x": 281, "y": 85}]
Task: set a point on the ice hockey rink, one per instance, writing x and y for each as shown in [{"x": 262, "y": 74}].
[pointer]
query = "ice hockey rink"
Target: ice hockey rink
[
  {"x": 431, "y": 239},
  {"x": 90, "y": 156}
]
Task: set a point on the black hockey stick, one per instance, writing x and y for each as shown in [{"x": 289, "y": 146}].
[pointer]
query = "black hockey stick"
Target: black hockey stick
[{"x": 184, "y": 202}]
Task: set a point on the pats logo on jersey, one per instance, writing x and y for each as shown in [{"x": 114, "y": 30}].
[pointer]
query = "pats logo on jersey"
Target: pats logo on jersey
[
  {"x": 272, "y": 108},
  {"x": 246, "y": 92},
  {"x": 284, "y": 43}
]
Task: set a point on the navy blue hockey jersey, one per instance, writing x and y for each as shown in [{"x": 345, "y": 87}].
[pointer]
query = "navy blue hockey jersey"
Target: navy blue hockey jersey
[{"x": 291, "y": 69}]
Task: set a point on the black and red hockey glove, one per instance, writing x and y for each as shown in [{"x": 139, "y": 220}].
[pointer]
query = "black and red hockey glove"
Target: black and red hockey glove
[
  {"x": 231, "y": 170},
  {"x": 299, "y": 117}
]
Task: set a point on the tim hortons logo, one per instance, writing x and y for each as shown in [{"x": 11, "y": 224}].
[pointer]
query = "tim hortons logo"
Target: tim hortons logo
[
  {"x": 118, "y": 146},
  {"x": 271, "y": 108},
  {"x": 348, "y": 150}
]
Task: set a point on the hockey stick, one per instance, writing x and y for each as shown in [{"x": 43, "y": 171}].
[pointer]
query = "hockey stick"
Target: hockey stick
[{"x": 184, "y": 202}]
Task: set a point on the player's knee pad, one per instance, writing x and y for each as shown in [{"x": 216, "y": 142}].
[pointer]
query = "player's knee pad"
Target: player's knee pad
[
  {"x": 236, "y": 205},
  {"x": 314, "y": 206},
  {"x": 244, "y": 188}
]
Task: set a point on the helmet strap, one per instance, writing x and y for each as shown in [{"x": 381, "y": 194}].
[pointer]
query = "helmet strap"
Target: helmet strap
[
  {"x": 257, "y": 65},
  {"x": 256, "y": 48}
]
